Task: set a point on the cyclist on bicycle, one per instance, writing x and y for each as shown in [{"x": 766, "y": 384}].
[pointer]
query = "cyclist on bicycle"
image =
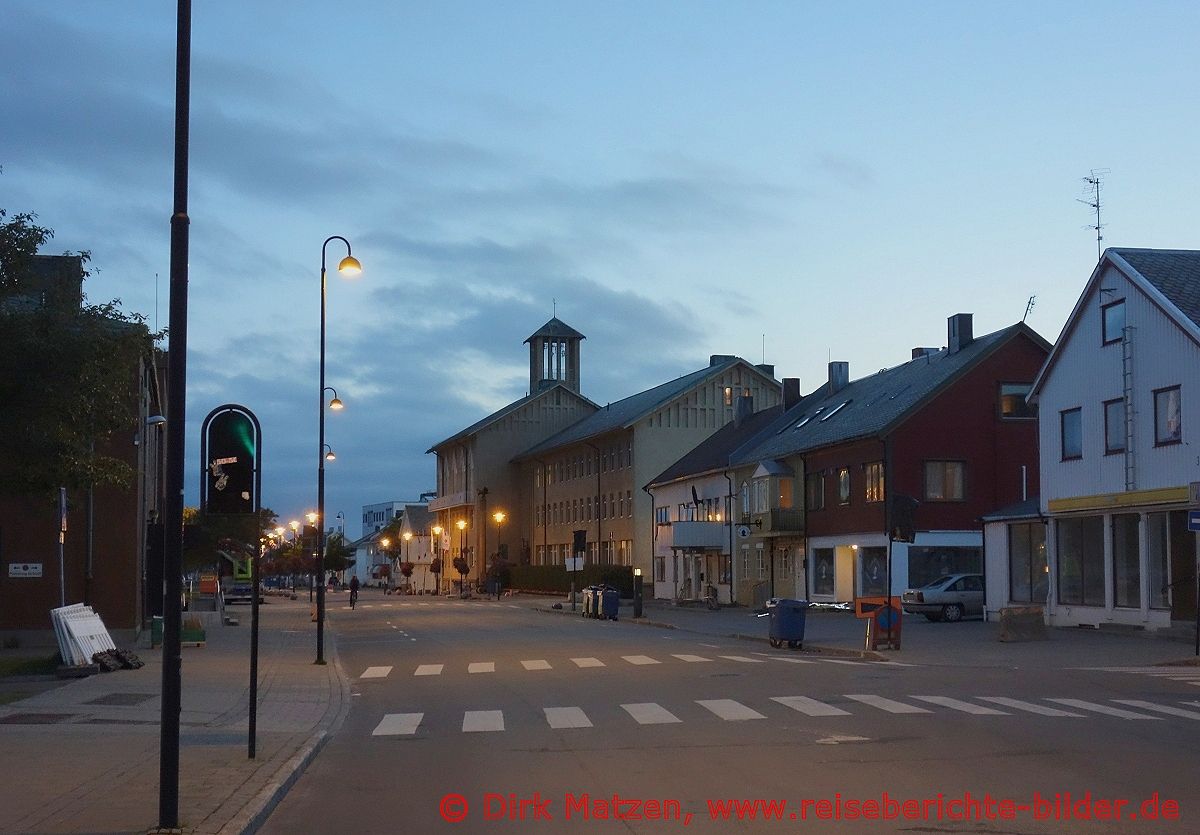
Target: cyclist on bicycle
[{"x": 353, "y": 590}]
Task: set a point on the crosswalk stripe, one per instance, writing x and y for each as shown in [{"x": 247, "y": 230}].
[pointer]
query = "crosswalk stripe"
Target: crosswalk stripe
[
  {"x": 481, "y": 667},
  {"x": 376, "y": 672},
  {"x": 567, "y": 717},
  {"x": 1170, "y": 711},
  {"x": 1029, "y": 706},
  {"x": 729, "y": 710},
  {"x": 394, "y": 724},
  {"x": 809, "y": 707},
  {"x": 650, "y": 713},
  {"x": 1105, "y": 709},
  {"x": 588, "y": 662},
  {"x": 690, "y": 658},
  {"x": 788, "y": 660},
  {"x": 483, "y": 720},
  {"x": 741, "y": 658},
  {"x": 429, "y": 670},
  {"x": 640, "y": 659},
  {"x": 538, "y": 664},
  {"x": 965, "y": 707},
  {"x": 887, "y": 704}
]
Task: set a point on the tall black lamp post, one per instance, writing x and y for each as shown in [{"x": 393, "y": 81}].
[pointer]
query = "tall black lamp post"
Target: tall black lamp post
[{"x": 347, "y": 266}]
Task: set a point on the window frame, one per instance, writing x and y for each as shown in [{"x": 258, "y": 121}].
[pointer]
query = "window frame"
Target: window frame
[
  {"x": 1031, "y": 412},
  {"x": 945, "y": 462},
  {"x": 1062, "y": 435},
  {"x": 874, "y": 476},
  {"x": 1105, "y": 339},
  {"x": 814, "y": 499},
  {"x": 845, "y": 489},
  {"x": 1179, "y": 435},
  {"x": 1111, "y": 450}
]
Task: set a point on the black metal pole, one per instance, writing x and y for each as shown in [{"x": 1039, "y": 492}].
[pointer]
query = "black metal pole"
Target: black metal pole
[
  {"x": 253, "y": 718},
  {"x": 168, "y": 773},
  {"x": 320, "y": 555}
]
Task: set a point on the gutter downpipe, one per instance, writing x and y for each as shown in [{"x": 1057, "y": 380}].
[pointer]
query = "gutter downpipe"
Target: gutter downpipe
[
  {"x": 596, "y": 510},
  {"x": 729, "y": 521},
  {"x": 653, "y": 532}
]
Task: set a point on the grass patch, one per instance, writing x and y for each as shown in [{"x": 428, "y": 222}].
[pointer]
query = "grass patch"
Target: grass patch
[{"x": 45, "y": 665}]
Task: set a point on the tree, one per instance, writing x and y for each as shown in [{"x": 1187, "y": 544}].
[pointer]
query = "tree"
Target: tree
[
  {"x": 208, "y": 536},
  {"x": 338, "y": 554},
  {"x": 462, "y": 567}
]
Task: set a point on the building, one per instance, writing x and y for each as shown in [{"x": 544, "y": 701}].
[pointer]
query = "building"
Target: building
[
  {"x": 1118, "y": 408},
  {"x": 482, "y": 505},
  {"x": 588, "y": 478},
  {"x": 1016, "y": 572}
]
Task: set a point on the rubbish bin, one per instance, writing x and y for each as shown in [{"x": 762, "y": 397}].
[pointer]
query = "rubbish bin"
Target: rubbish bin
[
  {"x": 787, "y": 621},
  {"x": 591, "y": 602},
  {"x": 610, "y": 602}
]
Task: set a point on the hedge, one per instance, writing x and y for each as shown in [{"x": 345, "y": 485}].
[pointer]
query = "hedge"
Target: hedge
[{"x": 556, "y": 578}]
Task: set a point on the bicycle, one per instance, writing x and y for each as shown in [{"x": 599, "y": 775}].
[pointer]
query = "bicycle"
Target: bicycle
[
  {"x": 710, "y": 597},
  {"x": 353, "y": 598}
]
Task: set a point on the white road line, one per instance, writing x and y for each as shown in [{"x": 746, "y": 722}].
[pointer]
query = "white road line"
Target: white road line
[
  {"x": 483, "y": 720},
  {"x": 1030, "y": 707},
  {"x": 965, "y": 707},
  {"x": 650, "y": 713},
  {"x": 742, "y": 658},
  {"x": 537, "y": 664},
  {"x": 788, "y": 660},
  {"x": 1105, "y": 709},
  {"x": 481, "y": 667},
  {"x": 588, "y": 662},
  {"x": 640, "y": 659},
  {"x": 429, "y": 670},
  {"x": 887, "y": 704},
  {"x": 841, "y": 661},
  {"x": 394, "y": 724},
  {"x": 512, "y": 605},
  {"x": 422, "y": 604},
  {"x": 567, "y": 717},
  {"x": 810, "y": 707},
  {"x": 690, "y": 658},
  {"x": 1170, "y": 711},
  {"x": 376, "y": 672},
  {"x": 729, "y": 710}
]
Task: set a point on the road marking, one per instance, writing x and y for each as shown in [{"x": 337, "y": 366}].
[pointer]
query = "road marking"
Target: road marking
[
  {"x": 741, "y": 658},
  {"x": 536, "y": 665},
  {"x": 512, "y": 605},
  {"x": 422, "y": 604},
  {"x": 483, "y": 720},
  {"x": 567, "y": 717},
  {"x": 394, "y": 724},
  {"x": 1170, "y": 711},
  {"x": 840, "y": 661},
  {"x": 588, "y": 662},
  {"x": 481, "y": 667},
  {"x": 650, "y": 713},
  {"x": 376, "y": 672},
  {"x": 729, "y": 710},
  {"x": 887, "y": 704},
  {"x": 810, "y": 707},
  {"x": 965, "y": 707},
  {"x": 1105, "y": 709},
  {"x": 787, "y": 660},
  {"x": 838, "y": 739},
  {"x": 1029, "y": 706},
  {"x": 690, "y": 658},
  {"x": 429, "y": 670},
  {"x": 712, "y": 646},
  {"x": 640, "y": 659}
]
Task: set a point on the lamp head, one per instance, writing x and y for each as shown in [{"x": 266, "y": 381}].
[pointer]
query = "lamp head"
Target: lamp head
[
  {"x": 499, "y": 516},
  {"x": 279, "y": 531},
  {"x": 349, "y": 266},
  {"x": 407, "y": 535},
  {"x": 311, "y": 517},
  {"x": 329, "y": 456},
  {"x": 293, "y": 524},
  {"x": 385, "y": 542},
  {"x": 461, "y": 524},
  {"x": 336, "y": 405},
  {"x": 437, "y": 530}
]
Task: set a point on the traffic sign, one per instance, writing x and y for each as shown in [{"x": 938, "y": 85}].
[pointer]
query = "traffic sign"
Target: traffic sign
[{"x": 1194, "y": 520}]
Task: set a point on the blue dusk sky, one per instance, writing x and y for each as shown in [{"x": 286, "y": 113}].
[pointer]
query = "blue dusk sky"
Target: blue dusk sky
[{"x": 792, "y": 181}]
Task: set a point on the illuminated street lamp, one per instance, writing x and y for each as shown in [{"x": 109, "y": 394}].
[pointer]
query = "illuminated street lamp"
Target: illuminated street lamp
[
  {"x": 329, "y": 456},
  {"x": 461, "y": 524},
  {"x": 437, "y": 554},
  {"x": 351, "y": 267}
]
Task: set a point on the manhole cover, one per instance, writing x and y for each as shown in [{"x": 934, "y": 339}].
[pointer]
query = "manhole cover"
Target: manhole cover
[
  {"x": 34, "y": 718},
  {"x": 124, "y": 699}
]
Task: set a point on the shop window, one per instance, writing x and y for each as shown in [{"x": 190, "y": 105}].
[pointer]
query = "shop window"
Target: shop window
[
  {"x": 1028, "y": 577},
  {"x": 873, "y": 571},
  {"x": 1080, "y": 547},
  {"x": 928, "y": 562},
  {"x": 823, "y": 571},
  {"x": 1159, "y": 537},
  {"x": 1126, "y": 561}
]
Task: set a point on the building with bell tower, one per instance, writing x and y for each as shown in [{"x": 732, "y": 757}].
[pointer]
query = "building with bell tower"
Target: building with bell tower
[{"x": 554, "y": 356}]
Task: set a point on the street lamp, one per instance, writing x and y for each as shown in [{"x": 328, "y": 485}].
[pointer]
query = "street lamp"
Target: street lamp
[
  {"x": 351, "y": 267},
  {"x": 437, "y": 554},
  {"x": 384, "y": 545},
  {"x": 407, "y": 537},
  {"x": 499, "y": 516},
  {"x": 461, "y": 524},
  {"x": 329, "y": 456}
]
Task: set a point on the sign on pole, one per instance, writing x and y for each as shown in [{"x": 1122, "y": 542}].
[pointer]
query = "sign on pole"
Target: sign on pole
[{"x": 1194, "y": 520}]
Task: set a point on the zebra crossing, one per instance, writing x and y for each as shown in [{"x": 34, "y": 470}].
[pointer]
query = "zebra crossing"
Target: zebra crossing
[
  {"x": 532, "y": 665},
  {"x": 1184, "y": 675},
  {"x": 857, "y": 704}
]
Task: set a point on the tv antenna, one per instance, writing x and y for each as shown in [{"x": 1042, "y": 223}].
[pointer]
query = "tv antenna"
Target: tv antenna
[
  {"x": 1092, "y": 189},
  {"x": 1029, "y": 307}
]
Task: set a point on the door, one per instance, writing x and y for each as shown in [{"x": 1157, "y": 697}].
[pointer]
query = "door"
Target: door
[{"x": 1183, "y": 568}]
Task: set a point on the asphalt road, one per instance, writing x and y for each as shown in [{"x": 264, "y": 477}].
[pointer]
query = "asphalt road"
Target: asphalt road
[{"x": 463, "y": 709}]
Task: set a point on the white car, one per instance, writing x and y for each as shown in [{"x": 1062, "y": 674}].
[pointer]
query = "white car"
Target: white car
[{"x": 948, "y": 598}]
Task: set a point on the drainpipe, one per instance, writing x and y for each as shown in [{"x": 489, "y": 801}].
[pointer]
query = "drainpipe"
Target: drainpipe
[
  {"x": 653, "y": 531},
  {"x": 599, "y": 529},
  {"x": 729, "y": 520}
]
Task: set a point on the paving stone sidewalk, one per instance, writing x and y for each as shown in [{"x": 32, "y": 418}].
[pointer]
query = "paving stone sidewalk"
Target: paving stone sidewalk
[{"x": 84, "y": 757}]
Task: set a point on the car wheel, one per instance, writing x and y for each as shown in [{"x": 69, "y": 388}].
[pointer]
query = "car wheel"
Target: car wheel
[
  {"x": 952, "y": 613},
  {"x": 932, "y": 617}
]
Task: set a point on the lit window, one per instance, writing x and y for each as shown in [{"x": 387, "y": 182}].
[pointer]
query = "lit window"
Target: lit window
[
  {"x": 1012, "y": 401},
  {"x": 1168, "y": 417},
  {"x": 874, "y": 474}
]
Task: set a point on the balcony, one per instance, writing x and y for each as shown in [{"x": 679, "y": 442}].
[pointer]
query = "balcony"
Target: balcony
[
  {"x": 779, "y": 521},
  {"x": 700, "y": 536}
]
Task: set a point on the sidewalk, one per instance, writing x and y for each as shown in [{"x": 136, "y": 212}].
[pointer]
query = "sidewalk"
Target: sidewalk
[{"x": 84, "y": 757}]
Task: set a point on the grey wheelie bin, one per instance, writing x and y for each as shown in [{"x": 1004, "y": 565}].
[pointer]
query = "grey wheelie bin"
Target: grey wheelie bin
[{"x": 787, "y": 621}]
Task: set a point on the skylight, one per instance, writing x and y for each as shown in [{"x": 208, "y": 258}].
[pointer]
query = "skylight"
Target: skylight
[
  {"x": 807, "y": 418},
  {"x": 835, "y": 410}
]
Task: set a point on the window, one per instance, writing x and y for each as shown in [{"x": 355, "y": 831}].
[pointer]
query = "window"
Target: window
[
  {"x": 728, "y": 396},
  {"x": 762, "y": 495},
  {"x": 629, "y": 503},
  {"x": 1012, "y": 401},
  {"x": 823, "y": 571},
  {"x": 1080, "y": 545},
  {"x": 1164, "y": 531},
  {"x": 928, "y": 562},
  {"x": 662, "y": 515},
  {"x": 762, "y": 565},
  {"x": 1028, "y": 579},
  {"x": 874, "y": 474},
  {"x": 746, "y": 562},
  {"x": 814, "y": 491},
  {"x": 944, "y": 481},
  {"x": 1168, "y": 420},
  {"x": 1114, "y": 426},
  {"x": 1112, "y": 321},
  {"x": 844, "y": 485},
  {"x": 660, "y": 569},
  {"x": 872, "y": 563},
  {"x": 725, "y": 569},
  {"x": 1126, "y": 561},
  {"x": 745, "y": 499},
  {"x": 1070, "y": 424}
]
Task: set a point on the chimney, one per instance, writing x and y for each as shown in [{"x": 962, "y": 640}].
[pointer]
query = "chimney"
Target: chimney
[
  {"x": 839, "y": 376},
  {"x": 742, "y": 409},
  {"x": 719, "y": 359},
  {"x": 958, "y": 332},
  {"x": 766, "y": 368},
  {"x": 791, "y": 392},
  {"x": 917, "y": 353}
]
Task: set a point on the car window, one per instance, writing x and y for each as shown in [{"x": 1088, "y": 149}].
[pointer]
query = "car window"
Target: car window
[
  {"x": 939, "y": 582},
  {"x": 972, "y": 583},
  {"x": 956, "y": 587}
]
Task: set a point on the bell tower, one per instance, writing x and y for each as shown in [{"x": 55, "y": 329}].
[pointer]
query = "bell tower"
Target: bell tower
[{"x": 554, "y": 356}]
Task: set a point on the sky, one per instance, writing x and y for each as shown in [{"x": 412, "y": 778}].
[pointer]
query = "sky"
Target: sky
[{"x": 791, "y": 182}]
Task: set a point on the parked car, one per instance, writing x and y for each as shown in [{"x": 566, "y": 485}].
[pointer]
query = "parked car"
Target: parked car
[
  {"x": 948, "y": 598},
  {"x": 242, "y": 593}
]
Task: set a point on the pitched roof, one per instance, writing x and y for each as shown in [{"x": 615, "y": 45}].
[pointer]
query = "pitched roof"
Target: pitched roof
[
  {"x": 713, "y": 452},
  {"x": 557, "y": 328},
  {"x": 870, "y": 406},
  {"x": 625, "y": 413},
  {"x": 1025, "y": 509},
  {"x": 502, "y": 412},
  {"x": 417, "y": 516}
]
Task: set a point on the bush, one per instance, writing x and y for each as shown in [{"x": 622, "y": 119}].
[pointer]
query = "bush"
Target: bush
[{"x": 554, "y": 578}]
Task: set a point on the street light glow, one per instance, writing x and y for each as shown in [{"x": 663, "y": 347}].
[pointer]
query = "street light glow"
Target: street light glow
[
  {"x": 349, "y": 266},
  {"x": 499, "y": 516},
  {"x": 461, "y": 524},
  {"x": 407, "y": 535},
  {"x": 311, "y": 517}
]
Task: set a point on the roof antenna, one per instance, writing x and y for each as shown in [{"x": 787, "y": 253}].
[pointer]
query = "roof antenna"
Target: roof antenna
[
  {"x": 764, "y": 349},
  {"x": 1092, "y": 189},
  {"x": 554, "y": 308},
  {"x": 1029, "y": 307}
]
